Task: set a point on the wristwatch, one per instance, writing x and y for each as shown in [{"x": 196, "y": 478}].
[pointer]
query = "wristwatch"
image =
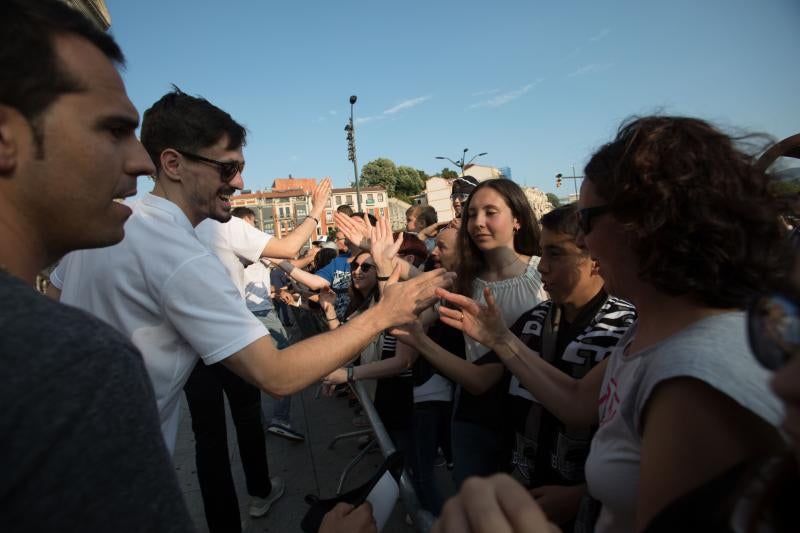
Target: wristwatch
[{"x": 350, "y": 377}]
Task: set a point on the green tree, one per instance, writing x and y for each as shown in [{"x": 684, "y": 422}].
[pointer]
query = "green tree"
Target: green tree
[
  {"x": 553, "y": 199},
  {"x": 409, "y": 182},
  {"x": 448, "y": 174},
  {"x": 381, "y": 172}
]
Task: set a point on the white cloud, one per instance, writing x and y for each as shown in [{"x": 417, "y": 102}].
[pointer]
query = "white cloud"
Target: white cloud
[
  {"x": 503, "y": 99},
  {"x": 603, "y": 33},
  {"x": 364, "y": 120},
  {"x": 590, "y": 68},
  {"x": 406, "y": 104},
  {"x": 484, "y": 93}
]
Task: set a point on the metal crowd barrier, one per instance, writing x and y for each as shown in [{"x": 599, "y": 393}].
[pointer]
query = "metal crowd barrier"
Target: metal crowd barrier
[{"x": 422, "y": 519}]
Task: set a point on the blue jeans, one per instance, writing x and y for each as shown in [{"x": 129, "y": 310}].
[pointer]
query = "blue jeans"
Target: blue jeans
[
  {"x": 282, "y": 408},
  {"x": 431, "y": 420}
]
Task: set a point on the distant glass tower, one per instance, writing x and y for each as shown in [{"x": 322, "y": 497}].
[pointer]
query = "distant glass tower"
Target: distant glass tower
[{"x": 505, "y": 172}]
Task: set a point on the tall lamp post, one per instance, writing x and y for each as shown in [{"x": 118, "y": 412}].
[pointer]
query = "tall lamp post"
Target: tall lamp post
[
  {"x": 460, "y": 162},
  {"x": 351, "y": 148}
]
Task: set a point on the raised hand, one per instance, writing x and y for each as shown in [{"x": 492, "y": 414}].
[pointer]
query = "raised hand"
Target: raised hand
[
  {"x": 384, "y": 248},
  {"x": 326, "y": 299},
  {"x": 432, "y": 230},
  {"x": 484, "y": 323},
  {"x": 356, "y": 231},
  {"x": 402, "y": 303},
  {"x": 319, "y": 197}
]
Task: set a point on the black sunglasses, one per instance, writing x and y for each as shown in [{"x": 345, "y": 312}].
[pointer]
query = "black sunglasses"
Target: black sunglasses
[
  {"x": 773, "y": 324},
  {"x": 586, "y": 215},
  {"x": 364, "y": 266},
  {"x": 227, "y": 169}
]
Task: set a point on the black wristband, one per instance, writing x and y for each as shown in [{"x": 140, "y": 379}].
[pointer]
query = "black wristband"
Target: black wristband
[
  {"x": 382, "y": 278},
  {"x": 312, "y": 217}
]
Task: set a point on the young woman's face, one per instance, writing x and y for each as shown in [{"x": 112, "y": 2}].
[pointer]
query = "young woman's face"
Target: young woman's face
[
  {"x": 363, "y": 273},
  {"x": 491, "y": 224}
]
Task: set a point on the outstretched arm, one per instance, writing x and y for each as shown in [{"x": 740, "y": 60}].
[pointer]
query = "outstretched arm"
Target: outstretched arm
[
  {"x": 289, "y": 245},
  {"x": 573, "y": 401},
  {"x": 402, "y": 360},
  {"x": 476, "y": 379},
  {"x": 312, "y": 281},
  {"x": 287, "y": 371}
]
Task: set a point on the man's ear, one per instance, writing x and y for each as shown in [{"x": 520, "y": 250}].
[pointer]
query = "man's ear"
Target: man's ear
[
  {"x": 171, "y": 164},
  {"x": 12, "y": 127}
]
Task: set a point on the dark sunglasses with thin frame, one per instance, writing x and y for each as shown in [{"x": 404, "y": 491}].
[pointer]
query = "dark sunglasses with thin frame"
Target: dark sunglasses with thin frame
[
  {"x": 227, "y": 169},
  {"x": 364, "y": 266}
]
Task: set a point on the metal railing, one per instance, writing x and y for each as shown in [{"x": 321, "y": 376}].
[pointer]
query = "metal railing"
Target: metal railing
[{"x": 422, "y": 519}]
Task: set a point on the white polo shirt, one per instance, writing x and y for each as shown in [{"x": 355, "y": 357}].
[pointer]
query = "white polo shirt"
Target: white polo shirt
[
  {"x": 233, "y": 241},
  {"x": 168, "y": 293}
]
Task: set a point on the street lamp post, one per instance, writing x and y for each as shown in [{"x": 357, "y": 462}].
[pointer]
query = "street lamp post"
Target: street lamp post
[
  {"x": 460, "y": 162},
  {"x": 351, "y": 148}
]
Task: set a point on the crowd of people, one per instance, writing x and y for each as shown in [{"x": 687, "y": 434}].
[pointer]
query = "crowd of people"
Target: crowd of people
[{"x": 625, "y": 363}]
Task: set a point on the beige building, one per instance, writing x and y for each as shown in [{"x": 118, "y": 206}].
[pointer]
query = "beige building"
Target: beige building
[
  {"x": 482, "y": 172},
  {"x": 437, "y": 195},
  {"x": 278, "y": 212},
  {"x": 397, "y": 214},
  {"x": 374, "y": 200},
  {"x": 94, "y": 10}
]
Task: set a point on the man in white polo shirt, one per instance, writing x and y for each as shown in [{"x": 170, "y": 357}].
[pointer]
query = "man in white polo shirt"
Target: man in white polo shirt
[{"x": 166, "y": 291}]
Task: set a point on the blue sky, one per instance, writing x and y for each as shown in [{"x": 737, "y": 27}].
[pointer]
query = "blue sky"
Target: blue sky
[{"x": 538, "y": 85}]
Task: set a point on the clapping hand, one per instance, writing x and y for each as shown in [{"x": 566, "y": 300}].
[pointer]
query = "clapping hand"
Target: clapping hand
[
  {"x": 319, "y": 197},
  {"x": 356, "y": 231},
  {"x": 384, "y": 248}
]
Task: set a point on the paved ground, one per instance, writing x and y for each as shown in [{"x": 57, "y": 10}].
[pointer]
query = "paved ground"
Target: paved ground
[{"x": 306, "y": 467}]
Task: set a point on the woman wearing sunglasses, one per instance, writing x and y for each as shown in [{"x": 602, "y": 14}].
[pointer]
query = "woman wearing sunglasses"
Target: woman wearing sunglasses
[
  {"x": 683, "y": 225},
  {"x": 389, "y": 363}
]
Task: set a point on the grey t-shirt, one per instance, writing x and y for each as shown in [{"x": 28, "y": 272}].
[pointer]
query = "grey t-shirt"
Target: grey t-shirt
[
  {"x": 713, "y": 350},
  {"x": 81, "y": 446}
]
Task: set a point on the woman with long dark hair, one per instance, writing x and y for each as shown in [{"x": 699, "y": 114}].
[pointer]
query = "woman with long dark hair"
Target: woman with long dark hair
[{"x": 498, "y": 244}]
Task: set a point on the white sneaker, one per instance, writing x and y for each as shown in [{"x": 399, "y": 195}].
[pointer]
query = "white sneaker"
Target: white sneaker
[{"x": 260, "y": 506}]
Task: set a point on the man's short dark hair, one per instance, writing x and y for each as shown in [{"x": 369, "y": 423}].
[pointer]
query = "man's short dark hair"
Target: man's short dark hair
[
  {"x": 562, "y": 219},
  {"x": 178, "y": 120},
  {"x": 241, "y": 212},
  {"x": 345, "y": 210},
  {"x": 32, "y": 78}
]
